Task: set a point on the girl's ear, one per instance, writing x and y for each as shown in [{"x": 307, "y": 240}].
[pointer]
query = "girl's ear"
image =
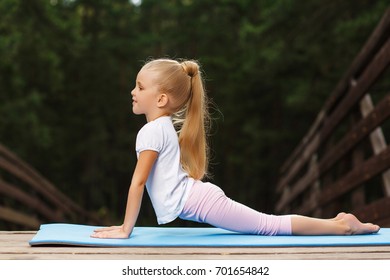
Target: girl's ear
[{"x": 162, "y": 100}]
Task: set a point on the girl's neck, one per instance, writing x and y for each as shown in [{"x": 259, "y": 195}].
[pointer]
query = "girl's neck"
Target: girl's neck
[{"x": 152, "y": 118}]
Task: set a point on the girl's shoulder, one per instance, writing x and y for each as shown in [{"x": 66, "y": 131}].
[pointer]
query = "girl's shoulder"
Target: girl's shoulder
[{"x": 155, "y": 135}]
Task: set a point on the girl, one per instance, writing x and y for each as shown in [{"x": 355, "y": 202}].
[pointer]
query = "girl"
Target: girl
[{"x": 172, "y": 159}]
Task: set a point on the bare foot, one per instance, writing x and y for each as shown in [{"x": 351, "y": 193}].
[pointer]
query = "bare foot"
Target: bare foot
[{"x": 354, "y": 226}]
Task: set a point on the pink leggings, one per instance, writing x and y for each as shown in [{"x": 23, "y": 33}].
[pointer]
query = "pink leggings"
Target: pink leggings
[{"x": 207, "y": 203}]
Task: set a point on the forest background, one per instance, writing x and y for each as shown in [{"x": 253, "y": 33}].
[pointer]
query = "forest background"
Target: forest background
[{"x": 67, "y": 68}]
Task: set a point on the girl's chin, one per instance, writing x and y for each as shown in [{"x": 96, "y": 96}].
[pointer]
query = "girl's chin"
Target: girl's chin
[{"x": 135, "y": 112}]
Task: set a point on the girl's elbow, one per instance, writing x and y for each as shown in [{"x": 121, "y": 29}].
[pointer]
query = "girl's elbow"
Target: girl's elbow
[{"x": 138, "y": 184}]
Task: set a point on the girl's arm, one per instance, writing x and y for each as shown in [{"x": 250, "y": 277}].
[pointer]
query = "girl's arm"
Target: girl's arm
[{"x": 144, "y": 165}]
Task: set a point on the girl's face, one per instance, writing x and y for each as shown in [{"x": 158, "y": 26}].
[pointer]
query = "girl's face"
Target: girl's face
[{"x": 145, "y": 94}]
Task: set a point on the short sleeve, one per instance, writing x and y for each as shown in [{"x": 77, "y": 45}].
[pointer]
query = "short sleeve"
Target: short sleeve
[{"x": 150, "y": 137}]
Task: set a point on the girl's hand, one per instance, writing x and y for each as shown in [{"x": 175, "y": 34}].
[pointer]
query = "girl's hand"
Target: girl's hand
[{"x": 110, "y": 232}]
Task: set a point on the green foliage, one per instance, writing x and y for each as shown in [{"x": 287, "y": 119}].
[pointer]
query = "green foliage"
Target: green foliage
[{"x": 67, "y": 68}]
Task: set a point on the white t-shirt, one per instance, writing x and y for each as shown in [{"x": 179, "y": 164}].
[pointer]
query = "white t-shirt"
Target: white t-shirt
[{"x": 168, "y": 185}]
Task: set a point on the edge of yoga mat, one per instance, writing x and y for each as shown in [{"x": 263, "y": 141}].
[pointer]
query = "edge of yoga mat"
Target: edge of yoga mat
[{"x": 79, "y": 235}]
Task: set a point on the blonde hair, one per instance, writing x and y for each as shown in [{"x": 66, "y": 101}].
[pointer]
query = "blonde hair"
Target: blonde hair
[{"x": 183, "y": 83}]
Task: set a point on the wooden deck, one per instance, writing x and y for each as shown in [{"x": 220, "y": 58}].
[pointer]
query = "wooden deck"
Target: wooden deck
[{"x": 14, "y": 246}]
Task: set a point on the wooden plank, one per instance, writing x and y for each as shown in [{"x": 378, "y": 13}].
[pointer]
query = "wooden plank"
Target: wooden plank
[
  {"x": 357, "y": 176},
  {"x": 375, "y": 211},
  {"x": 275, "y": 256},
  {"x": 350, "y": 140},
  {"x": 16, "y": 217},
  {"x": 358, "y": 196},
  {"x": 27, "y": 200},
  {"x": 373, "y": 255},
  {"x": 21, "y": 250},
  {"x": 13, "y": 169},
  {"x": 361, "y": 130},
  {"x": 377, "y": 139},
  {"x": 16, "y": 166}
]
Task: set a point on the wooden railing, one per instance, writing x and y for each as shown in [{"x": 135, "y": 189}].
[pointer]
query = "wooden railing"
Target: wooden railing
[
  {"x": 343, "y": 162},
  {"x": 27, "y": 199}
]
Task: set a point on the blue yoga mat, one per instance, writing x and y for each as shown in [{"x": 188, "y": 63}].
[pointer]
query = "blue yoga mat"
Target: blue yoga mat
[{"x": 79, "y": 235}]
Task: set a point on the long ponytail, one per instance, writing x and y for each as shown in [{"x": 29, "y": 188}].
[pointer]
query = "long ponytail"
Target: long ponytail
[
  {"x": 183, "y": 82},
  {"x": 193, "y": 133}
]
